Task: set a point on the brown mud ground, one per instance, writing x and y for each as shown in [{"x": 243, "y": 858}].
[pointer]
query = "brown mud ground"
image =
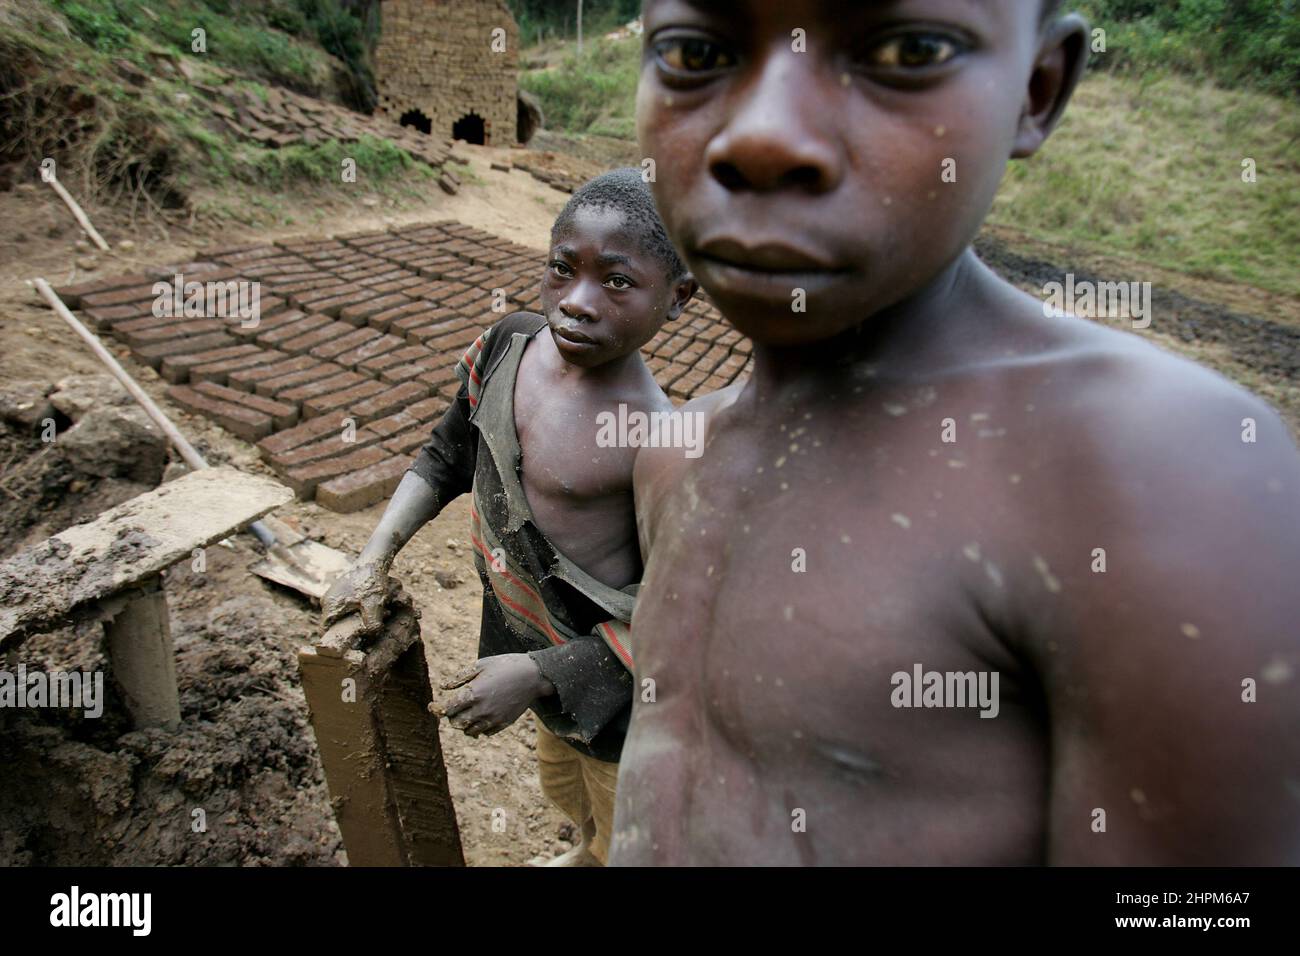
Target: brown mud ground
[{"x": 91, "y": 791}]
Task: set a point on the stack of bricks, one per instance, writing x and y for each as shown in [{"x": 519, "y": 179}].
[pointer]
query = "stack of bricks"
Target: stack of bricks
[
  {"x": 285, "y": 118},
  {"x": 351, "y": 360},
  {"x": 446, "y": 59}
]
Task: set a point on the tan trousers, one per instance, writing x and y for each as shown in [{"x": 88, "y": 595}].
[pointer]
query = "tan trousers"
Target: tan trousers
[{"x": 581, "y": 786}]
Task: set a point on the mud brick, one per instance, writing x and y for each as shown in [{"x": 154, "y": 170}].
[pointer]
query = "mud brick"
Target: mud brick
[
  {"x": 104, "y": 317},
  {"x": 715, "y": 382},
  {"x": 732, "y": 364},
  {"x": 245, "y": 254},
  {"x": 438, "y": 266},
  {"x": 170, "y": 329},
  {"x": 419, "y": 320},
  {"x": 673, "y": 372},
  {"x": 321, "y": 386},
  {"x": 407, "y": 442},
  {"x": 245, "y": 378},
  {"x": 401, "y": 280},
  {"x": 692, "y": 353},
  {"x": 153, "y": 355},
  {"x": 309, "y": 431},
  {"x": 411, "y": 353},
  {"x": 304, "y": 286},
  {"x": 435, "y": 367},
  {"x": 73, "y": 295},
  {"x": 713, "y": 333},
  {"x": 335, "y": 304},
  {"x": 276, "y": 334},
  {"x": 729, "y": 338},
  {"x": 304, "y": 479},
  {"x": 138, "y": 293},
  {"x": 219, "y": 371},
  {"x": 455, "y": 339},
  {"x": 347, "y": 399},
  {"x": 383, "y": 320},
  {"x": 125, "y": 326},
  {"x": 345, "y": 343},
  {"x": 239, "y": 420},
  {"x": 388, "y": 401},
  {"x": 282, "y": 414},
  {"x": 266, "y": 325},
  {"x": 364, "y": 487},
  {"x": 656, "y": 364},
  {"x": 318, "y": 336},
  {"x": 176, "y": 368},
  {"x": 744, "y": 346},
  {"x": 674, "y": 346},
  {"x": 474, "y": 300},
  {"x": 306, "y": 299},
  {"x": 691, "y": 382},
  {"x": 712, "y": 358},
  {"x": 332, "y": 445},
  {"x": 359, "y": 314},
  {"x": 377, "y": 346},
  {"x": 420, "y": 413}
]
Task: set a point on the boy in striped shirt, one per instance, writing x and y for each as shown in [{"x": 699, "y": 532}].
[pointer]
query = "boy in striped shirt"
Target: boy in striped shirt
[{"x": 552, "y": 520}]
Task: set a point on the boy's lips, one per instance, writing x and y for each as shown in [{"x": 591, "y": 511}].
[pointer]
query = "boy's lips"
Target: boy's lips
[
  {"x": 762, "y": 270},
  {"x": 572, "y": 335},
  {"x": 764, "y": 256}
]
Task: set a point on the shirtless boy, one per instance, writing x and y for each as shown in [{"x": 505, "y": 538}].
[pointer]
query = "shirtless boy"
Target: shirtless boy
[
  {"x": 551, "y": 521},
  {"x": 829, "y": 540}
]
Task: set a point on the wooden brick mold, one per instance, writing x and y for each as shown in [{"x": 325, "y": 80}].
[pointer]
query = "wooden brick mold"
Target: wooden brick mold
[{"x": 379, "y": 743}]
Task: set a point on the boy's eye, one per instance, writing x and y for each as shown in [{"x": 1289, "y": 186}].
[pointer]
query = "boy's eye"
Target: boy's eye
[
  {"x": 692, "y": 55},
  {"x": 560, "y": 268},
  {"x": 619, "y": 282},
  {"x": 913, "y": 51}
]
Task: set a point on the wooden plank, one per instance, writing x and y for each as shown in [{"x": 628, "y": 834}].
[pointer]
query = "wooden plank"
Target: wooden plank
[{"x": 42, "y": 586}]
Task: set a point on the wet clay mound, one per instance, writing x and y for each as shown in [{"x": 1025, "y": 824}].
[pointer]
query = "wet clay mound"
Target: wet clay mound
[{"x": 238, "y": 784}]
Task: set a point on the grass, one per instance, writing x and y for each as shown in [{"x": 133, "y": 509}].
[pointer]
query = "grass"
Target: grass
[
  {"x": 1150, "y": 168},
  {"x": 594, "y": 93}
]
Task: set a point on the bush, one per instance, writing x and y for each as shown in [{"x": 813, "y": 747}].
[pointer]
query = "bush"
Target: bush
[{"x": 1232, "y": 42}]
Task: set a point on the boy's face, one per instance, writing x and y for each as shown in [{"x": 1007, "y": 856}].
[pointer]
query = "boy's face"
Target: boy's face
[
  {"x": 810, "y": 145},
  {"x": 603, "y": 295}
]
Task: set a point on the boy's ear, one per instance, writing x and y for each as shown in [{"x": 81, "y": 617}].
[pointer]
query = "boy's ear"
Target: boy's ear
[
  {"x": 685, "y": 288},
  {"x": 1062, "y": 58}
]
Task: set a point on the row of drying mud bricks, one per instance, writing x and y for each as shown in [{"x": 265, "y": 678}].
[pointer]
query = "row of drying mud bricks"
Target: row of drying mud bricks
[
  {"x": 352, "y": 360},
  {"x": 348, "y": 369}
]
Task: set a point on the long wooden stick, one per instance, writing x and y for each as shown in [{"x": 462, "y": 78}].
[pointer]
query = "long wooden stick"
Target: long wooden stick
[
  {"x": 187, "y": 451},
  {"x": 77, "y": 211}
]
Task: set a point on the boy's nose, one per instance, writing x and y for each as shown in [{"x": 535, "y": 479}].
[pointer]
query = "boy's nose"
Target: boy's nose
[
  {"x": 577, "y": 304},
  {"x": 776, "y": 137}
]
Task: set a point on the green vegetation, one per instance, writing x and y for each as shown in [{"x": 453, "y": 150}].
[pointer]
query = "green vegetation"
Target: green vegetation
[
  {"x": 1235, "y": 43},
  {"x": 284, "y": 41},
  {"x": 1151, "y": 169},
  {"x": 592, "y": 93},
  {"x": 559, "y": 18}
]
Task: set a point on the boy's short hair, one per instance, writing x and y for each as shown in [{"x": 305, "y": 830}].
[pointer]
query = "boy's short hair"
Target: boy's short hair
[{"x": 625, "y": 190}]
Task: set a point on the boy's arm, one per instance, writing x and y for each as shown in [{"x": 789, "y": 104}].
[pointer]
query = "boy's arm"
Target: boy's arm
[
  {"x": 443, "y": 469},
  {"x": 1171, "y": 678},
  {"x": 591, "y": 681}
]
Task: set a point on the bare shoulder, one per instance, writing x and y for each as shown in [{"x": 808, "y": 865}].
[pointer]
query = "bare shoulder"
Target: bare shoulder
[{"x": 660, "y": 469}]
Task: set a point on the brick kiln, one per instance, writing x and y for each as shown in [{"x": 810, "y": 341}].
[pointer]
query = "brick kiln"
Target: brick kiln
[{"x": 448, "y": 68}]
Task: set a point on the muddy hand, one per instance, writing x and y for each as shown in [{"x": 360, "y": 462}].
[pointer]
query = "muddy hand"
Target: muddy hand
[
  {"x": 494, "y": 693},
  {"x": 361, "y": 590}
]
